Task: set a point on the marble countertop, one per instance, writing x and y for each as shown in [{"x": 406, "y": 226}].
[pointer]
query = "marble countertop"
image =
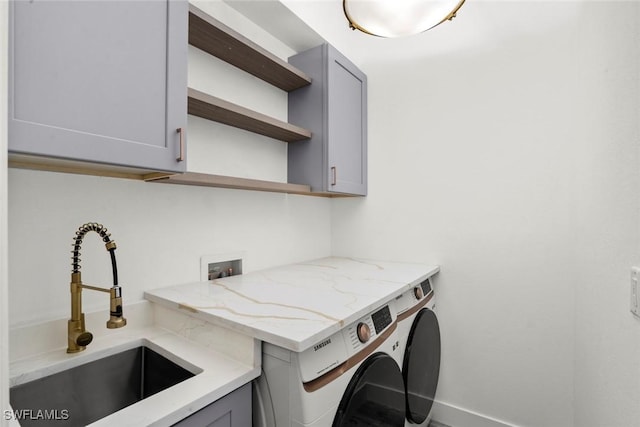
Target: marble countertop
[
  {"x": 217, "y": 374},
  {"x": 297, "y": 305}
]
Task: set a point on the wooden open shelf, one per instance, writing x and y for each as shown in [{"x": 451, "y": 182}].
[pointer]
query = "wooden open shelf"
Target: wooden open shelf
[
  {"x": 215, "y": 38},
  {"x": 211, "y": 36},
  {"x": 212, "y": 108},
  {"x": 208, "y": 180}
]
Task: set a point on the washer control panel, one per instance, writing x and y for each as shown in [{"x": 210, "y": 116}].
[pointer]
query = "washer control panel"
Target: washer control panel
[
  {"x": 339, "y": 347},
  {"x": 381, "y": 319}
]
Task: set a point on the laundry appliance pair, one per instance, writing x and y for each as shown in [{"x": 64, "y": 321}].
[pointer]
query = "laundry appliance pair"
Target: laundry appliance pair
[{"x": 380, "y": 371}]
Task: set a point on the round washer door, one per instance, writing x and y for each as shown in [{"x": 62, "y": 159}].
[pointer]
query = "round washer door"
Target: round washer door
[
  {"x": 422, "y": 365},
  {"x": 374, "y": 396}
]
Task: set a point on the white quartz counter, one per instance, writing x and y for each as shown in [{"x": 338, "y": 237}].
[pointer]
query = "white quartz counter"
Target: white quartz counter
[
  {"x": 217, "y": 372},
  {"x": 297, "y": 305}
]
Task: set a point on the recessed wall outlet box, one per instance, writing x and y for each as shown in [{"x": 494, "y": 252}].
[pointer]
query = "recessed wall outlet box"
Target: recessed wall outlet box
[
  {"x": 221, "y": 265},
  {"x": 634, "y": 301}
]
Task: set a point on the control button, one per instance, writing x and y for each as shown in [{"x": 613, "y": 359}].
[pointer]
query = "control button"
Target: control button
[
  {"x": 417, "y": 291},
  {"x": 364, "y": 332}
]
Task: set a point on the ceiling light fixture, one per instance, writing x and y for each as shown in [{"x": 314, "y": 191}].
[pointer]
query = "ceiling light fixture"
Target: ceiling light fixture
[{"x": 397, "y": 18}]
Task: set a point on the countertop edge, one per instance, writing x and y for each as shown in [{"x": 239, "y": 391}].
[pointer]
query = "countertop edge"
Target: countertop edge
[
  {"x": 281, "y": 340},
  {"x": 220, "y": 375}
]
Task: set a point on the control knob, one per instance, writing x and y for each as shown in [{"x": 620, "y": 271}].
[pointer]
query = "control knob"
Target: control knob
[
  {"x": 417, "y": 291},
  {"x": 364, "y": 332}
]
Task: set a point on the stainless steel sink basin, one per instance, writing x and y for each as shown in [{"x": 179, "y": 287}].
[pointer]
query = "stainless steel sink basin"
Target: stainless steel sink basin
[{"x": 86, "y": 393}]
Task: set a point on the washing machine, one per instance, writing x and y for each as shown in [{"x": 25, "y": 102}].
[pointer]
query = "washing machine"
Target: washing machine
[
  {"x": 351, "y": 378},
  {"x": 419, "y": 335}
]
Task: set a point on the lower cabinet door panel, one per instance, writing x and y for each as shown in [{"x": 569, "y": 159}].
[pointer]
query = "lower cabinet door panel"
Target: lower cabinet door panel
[{"x": 233, "y": 410}]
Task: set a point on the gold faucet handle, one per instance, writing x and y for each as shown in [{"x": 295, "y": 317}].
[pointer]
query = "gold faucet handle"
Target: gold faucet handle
[
  {"x": 78, "y": 337},
  {"x": 84, "y": 339}
]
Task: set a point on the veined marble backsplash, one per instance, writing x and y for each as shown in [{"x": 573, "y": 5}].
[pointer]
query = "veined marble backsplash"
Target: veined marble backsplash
[
  {"x": 31, "y": 340},
  {"x": 242, "y": 348}
]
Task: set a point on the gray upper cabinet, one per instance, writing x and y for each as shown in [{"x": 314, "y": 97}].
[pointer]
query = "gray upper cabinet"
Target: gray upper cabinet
[
  {"x": 334, "y": 108},
  {"x": 99, "y": 81}
]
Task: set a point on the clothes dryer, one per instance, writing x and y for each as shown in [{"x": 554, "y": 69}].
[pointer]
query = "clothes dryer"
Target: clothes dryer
[
  {"x": 419, "y": 334},
  {"x": 351, "y": 378}
]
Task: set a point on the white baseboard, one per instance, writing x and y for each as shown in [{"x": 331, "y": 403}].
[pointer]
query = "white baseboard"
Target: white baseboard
[{"x": 454, "y": 416}]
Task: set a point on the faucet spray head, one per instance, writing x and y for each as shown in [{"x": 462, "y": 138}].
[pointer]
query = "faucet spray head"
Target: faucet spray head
[{"x": 115, "y": 319}]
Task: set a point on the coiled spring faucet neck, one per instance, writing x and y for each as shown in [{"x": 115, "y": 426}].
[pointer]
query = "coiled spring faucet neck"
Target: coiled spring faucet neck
[
  {"x": 106, "y": 238},
  {"x": 78, "y": 337}
]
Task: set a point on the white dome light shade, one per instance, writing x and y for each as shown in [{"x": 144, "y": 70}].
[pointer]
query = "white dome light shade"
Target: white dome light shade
[{"x": 397, "y": 18}]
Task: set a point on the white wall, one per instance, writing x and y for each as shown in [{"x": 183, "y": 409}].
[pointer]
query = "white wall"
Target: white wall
[
  {"x": 514, "y": 166},
  {"x": 607, "y": 341},
  {"x": 4, "y": 315},
  {"x": 163, "y": 230}
]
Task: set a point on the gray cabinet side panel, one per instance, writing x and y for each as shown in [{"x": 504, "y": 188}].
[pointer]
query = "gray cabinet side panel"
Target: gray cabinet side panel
[
  {"x": 233, "y": 410},
  {"x": 307, "y": 160}
]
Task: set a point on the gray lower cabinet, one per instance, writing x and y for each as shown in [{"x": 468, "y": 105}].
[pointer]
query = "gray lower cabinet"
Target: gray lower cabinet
[
  {"x": 99, "y": 81},
  {"x": 233, "y": 410},
  {"x": 334, "y": 108}
]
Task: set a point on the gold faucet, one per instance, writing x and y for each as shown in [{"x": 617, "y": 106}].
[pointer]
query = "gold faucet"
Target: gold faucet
[{"x": 78, "y": 337}]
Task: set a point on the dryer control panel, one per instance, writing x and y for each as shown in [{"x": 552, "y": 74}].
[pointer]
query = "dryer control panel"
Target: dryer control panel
[
  {"x": 426, "y": 287},
  {"x": 414, "y": 296},
  {"x": 341, "y": 346}
]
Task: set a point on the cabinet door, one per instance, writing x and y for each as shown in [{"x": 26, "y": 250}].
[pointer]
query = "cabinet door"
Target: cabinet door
[
  {"x": 233, "y": 410},
  {"x": 347, "y": 126},
  {"x": 99, "y": 81},
  {"x": 334, "y": 108}
]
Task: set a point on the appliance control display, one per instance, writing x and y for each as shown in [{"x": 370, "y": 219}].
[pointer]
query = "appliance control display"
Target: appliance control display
[
  {"x": 426, "y": 287},
  {"x": 381, "y": 319}
]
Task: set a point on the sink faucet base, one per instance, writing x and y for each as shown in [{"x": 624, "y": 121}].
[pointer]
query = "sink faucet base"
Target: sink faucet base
[{"x": 78, "y": 337}]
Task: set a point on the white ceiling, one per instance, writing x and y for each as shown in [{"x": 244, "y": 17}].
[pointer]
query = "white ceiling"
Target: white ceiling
[{"x": 480, "y": 24}]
